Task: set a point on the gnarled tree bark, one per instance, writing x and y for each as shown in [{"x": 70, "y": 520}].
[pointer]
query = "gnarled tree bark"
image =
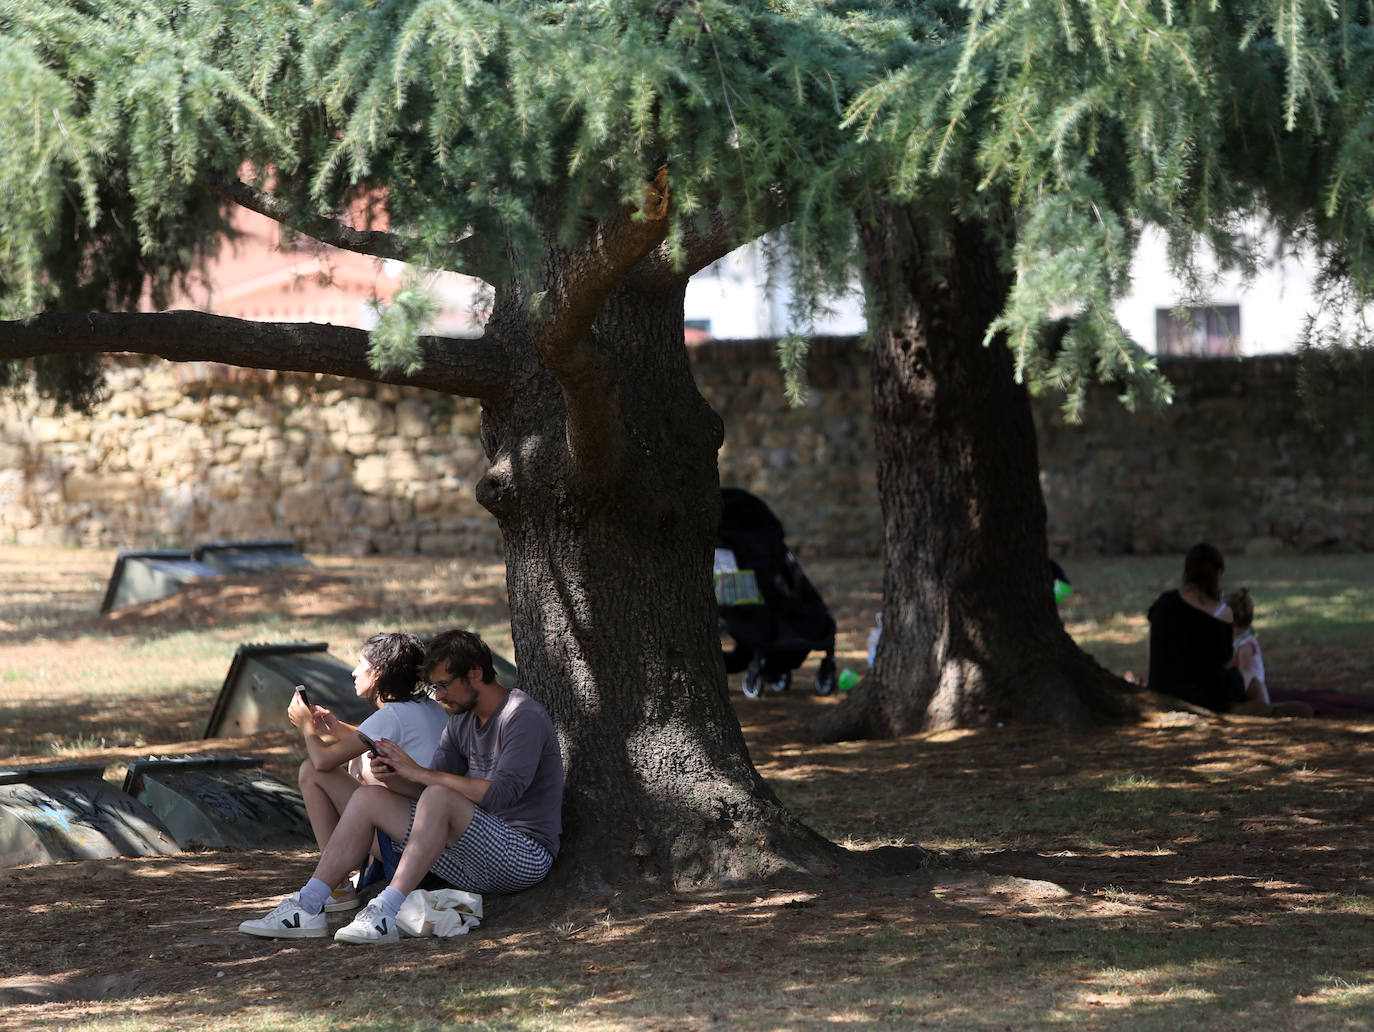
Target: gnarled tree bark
[
  {"x": 971, "y": 635},
  {"x": 615, "y": 620}
]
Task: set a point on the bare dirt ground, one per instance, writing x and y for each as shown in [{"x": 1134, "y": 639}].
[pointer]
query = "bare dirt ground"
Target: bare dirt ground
[{"x": 1163, "y": 868}]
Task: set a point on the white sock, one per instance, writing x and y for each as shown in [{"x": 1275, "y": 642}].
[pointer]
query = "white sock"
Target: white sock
[
  {"x": 313, "y": 896},
  {"x": 390, "y": 900}
]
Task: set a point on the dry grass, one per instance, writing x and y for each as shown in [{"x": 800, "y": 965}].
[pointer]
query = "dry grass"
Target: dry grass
[{"x": 1188, "y": 874}]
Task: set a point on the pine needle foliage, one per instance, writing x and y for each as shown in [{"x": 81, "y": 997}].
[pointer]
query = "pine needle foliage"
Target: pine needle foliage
[
  {"x": 75, "y": 232},
  {"x": 1085, "y": 121},
  {"x": 511, "y": 122},
  {"x": 500, "y": 131},
  {"x": 394, "y": 343}
]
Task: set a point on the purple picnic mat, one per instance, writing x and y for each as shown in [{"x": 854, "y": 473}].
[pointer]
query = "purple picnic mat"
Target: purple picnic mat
[{"x": 1334, "y": 703}]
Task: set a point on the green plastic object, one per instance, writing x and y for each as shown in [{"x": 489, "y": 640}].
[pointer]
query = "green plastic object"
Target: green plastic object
[
  {"x": 1062, "y": 590},
  {"x": 848, "y": 679}
]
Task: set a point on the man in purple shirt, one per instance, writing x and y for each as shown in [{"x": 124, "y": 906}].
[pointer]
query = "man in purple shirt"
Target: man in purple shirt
[{"x": 485, "y": 816}]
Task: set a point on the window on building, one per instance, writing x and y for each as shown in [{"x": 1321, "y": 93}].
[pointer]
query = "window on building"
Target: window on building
[{"x": 1202, "y": 332}]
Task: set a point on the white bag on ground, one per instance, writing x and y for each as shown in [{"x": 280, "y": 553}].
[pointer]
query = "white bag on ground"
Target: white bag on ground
[{"x": 443, "y": 912}]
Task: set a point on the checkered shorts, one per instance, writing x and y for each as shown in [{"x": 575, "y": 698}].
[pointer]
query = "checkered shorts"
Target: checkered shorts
[{"x": 490, "y": 856}]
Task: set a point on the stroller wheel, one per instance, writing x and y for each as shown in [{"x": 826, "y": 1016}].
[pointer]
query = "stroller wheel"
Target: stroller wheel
[
  {"x": 826, "y": 678},
  {"x": 781, "y": 684},
  {"x": 753, "y": 679}
]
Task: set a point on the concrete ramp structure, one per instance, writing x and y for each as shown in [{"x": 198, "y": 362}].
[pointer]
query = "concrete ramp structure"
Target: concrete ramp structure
[
  {"x": 248, "y": 556},
  {"x": 210, "y": 802},
  {"x": 49, "y": 814},
  {"x": 505, "y": 670},
  {"x": 261, "y": 678},
  {"x": 145, "y": 576}
]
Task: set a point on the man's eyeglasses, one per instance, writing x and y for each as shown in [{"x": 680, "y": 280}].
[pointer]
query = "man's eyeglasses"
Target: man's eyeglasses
[{"x": 433, "y": 686}]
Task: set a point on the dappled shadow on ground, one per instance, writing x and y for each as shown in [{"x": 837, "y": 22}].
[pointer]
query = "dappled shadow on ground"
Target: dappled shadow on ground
[
  {"x": 1189, "y": 873},
  {"x": 44, "y": 728},
  {"x": 944, "y": 947},
  {"x": 298, "y": 594},
  {"x": 55, "y": 594},
  {"x": 1163, "y": 876}
]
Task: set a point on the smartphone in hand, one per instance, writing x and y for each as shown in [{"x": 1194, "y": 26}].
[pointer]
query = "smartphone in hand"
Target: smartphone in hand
[
  {"x": 300, "y": 690},
  {"x": 371, "y": 745}
]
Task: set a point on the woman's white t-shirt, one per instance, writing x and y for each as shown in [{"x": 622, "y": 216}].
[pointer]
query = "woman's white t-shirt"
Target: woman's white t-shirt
[{"x": 414, "y": 726}]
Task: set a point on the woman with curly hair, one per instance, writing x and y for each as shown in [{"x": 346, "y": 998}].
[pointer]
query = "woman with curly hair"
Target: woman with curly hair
[{"x": 388, "y": 675}]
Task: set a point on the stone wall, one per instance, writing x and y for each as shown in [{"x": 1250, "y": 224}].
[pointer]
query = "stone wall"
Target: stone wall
[
  {"x": 181, "y": 454},
  {"x": 1234, "y": 460},
  {"x": 812, "y": 464},
  {"x": 1237, "y": 460},
  {"x": 199, "y": 452}
]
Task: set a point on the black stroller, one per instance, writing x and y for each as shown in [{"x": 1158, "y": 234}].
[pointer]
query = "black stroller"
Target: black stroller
[{"x": 767, "y": 605}]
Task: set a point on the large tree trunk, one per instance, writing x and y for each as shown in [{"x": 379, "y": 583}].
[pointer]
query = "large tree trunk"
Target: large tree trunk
[
  {"x": 971, "y": 635},
  {"x": 615, "y": 626}
]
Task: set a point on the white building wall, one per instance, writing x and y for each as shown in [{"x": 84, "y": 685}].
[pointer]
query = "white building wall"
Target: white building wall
[
  {"x": 1273, "y": 305},
  {"x": 731, "y": 298}
]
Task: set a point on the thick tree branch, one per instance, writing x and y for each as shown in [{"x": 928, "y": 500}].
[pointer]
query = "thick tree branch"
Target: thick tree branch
[
  {"x": 562, "y": 315},
  {"x": 561, "y": 323},
  {"x": 659, "y": 272},
  {"x": 330, "y": 231},
  {"x": 468, "y": 368},
  {"x": 715, "y": 236}
]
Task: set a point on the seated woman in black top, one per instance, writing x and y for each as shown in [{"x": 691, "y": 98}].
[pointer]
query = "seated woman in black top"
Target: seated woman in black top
[{"x": 1190, "y": 637}]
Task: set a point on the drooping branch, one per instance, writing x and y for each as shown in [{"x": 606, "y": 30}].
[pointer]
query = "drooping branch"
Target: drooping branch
[
  {"x": 561, "y": 323},
  {"x": 326, "y": 230},
  {"x": 714, "y": 236},
  {"x": 468, "y": 368}
]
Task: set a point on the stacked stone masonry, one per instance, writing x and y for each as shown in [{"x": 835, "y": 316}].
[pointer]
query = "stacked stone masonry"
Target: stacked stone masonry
[{"x": 198, "y": 452}]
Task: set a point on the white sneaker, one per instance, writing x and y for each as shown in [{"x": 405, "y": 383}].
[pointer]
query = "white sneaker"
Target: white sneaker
[
  {"x": 371, "y": 925},
  {"x": 288, "y": 921}
]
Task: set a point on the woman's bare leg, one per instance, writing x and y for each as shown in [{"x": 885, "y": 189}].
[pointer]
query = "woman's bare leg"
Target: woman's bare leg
[{"x": 326, "y": 794}]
